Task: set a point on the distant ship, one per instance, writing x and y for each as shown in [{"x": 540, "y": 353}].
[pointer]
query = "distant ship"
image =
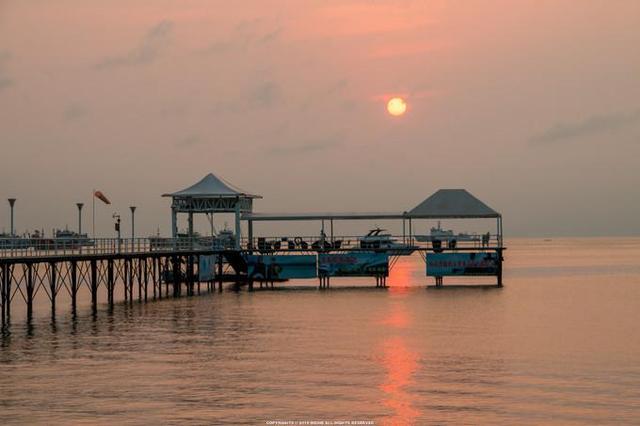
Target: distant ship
[
  {"x": 437, "y": 233},
  {"x": 224, "y": 239}
]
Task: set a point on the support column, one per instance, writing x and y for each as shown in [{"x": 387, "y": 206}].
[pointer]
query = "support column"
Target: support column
[
  {"x": 238, "y": 229},
  {"x": 139, "y": 280},
  {"x": 94, "y": 286},
  {"x": 52, "y": 287},
  {"x": 110, "y": 283},
  {"x": 174, "y": 223},
  {"x": 331, "y": 224},
  {"x": 404, "y": 230},
  {"x": 155, "y": 267},
  {"x": 126, "y": 280},
  {"x": 250, "y": 235},
  {"x": 130, "y": 280},
  {"x": 74, "y": 286},
  {"x": 410, "y": 232},
  {"x": 2, "y": 292},
  {"x": 146, "y": 278},
  {"x": 176, "y": 275},
  {"x": 29, "y": 291}
]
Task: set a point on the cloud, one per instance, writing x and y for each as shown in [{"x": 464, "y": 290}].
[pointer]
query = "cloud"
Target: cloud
[
  {"x": 75, "y": 111},
  {"x": 243, "y": 37},
  {"x": 594, "y": 125},
  {"x": 330, "y": 91},
  {"x": 148, "y": 51},
  {"x": 271, "y": 36},
  {"x": 189, "y": 141},
  {"x": 307, "y": 147},
  {"x": 5, "y": 80},
  {"x": 264, "y": 94}
]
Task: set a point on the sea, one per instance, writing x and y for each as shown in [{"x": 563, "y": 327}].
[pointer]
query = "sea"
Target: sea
[{"x": 558, "y": 344}]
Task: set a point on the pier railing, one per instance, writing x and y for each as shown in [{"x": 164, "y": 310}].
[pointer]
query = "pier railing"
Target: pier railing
[{"x": 38, "y": 247}]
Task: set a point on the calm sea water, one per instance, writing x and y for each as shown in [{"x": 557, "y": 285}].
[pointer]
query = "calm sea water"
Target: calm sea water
[{"x": 560, "y": 343}]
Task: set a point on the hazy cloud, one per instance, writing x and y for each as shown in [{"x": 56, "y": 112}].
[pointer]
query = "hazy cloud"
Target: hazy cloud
[
  {"x": 306, "y": 147},
  {"x": 271, "y": 36},
  {"x": 189, "y": 141},
  {"x": 264, "y": 94},
  {"x": 148, "y": 51},
  {"x": 243, "y": 37},
  {"x": 593, "y": 125},
  {"x": 75, "y": 111},
  {"x": 5, "y": 80}
]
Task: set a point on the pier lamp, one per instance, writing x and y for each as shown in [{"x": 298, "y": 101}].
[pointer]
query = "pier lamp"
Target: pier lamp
[
  {"x": 79, "y": 217},
  {"x": 133, "y": 222},
  {"x": 116, "y": 217},
  {"x": 12, "y": 201}
]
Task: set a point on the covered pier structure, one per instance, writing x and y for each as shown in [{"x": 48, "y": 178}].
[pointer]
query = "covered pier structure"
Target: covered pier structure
[
  {"x": 443, "y": 204},
  {"x": 208, "y": 196}
]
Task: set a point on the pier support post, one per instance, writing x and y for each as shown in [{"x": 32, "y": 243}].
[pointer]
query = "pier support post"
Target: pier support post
[
  {"x": 7, "y": 291},
  {"x": 53, "y": 287},
  {"x": 146, "y": 278},
  {"x": 74, "y": 286},
  {"x": 154, "y": 276},
  {"x": 220, "y": 272},
  {"x": 126, "y": 279},
  {"x": 3, "y": 293},
  {"x": 110, "y": 283},
  {"x": 94, "y": 286},
  {"x": 29, "y": 291},
  {"x": 176, "y": 275},
  {"x": 499, "y": 277},
  {"x": 139, "y": 279},
  {"x": 130, "y": 280}
]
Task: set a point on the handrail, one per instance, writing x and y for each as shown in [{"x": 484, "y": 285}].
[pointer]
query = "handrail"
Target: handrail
[{"x": 38, "y": 247}]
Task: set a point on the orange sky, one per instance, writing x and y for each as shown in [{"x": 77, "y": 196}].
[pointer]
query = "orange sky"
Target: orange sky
[{"x": 534, "y": 106}]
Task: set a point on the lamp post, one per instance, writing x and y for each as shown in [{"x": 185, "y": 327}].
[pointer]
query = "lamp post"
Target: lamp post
[
  {"x": 79, "y": 218},
  {"x": 117, "y": 226},
  {"x": 133, "y": 221},
  {"x": 133, "y": 225},
  {"x": 12, "y": 201}
]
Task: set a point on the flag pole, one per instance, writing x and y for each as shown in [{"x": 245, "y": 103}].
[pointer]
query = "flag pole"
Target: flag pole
[{"x": 93, "y": 197}]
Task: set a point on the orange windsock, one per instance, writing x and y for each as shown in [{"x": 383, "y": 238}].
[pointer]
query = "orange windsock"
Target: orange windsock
[{"x": 99, "y": 195}]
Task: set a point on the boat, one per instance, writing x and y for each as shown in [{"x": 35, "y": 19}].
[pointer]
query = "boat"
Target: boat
[
  {"x": 439, "y": 234},
  {"x": 67, "y": 238},
  {"x": 225, "y": 239},
  {"x": 8, "y": 241},
  {"x": 378, "y": 240}
]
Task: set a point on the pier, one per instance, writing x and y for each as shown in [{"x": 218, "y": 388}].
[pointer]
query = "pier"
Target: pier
[{"x": 159, "y": 267}]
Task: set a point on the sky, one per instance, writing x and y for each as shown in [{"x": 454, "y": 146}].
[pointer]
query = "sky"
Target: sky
[{"x": 533, "y": 106}]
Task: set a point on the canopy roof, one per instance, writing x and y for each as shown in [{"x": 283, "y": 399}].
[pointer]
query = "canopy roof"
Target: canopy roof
[
  {"x": 319, "y": 216},
  {"x": 452, "y": 203},
  {"x": 212, "y": 186}
]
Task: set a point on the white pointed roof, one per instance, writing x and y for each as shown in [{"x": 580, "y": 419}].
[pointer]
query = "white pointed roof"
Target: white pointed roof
[
  {"x": 452, "y": 203},
  {"x": 212, "y": 186}
]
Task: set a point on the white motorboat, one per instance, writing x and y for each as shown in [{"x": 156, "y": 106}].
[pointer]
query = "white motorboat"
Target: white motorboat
[{"x": 378, "y": 240}]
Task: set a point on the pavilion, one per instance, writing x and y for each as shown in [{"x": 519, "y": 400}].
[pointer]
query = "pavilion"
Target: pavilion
[{"x": 210, "y": 195}]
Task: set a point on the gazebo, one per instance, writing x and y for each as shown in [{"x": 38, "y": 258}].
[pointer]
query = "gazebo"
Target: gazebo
[
  {"x": 210, "y": 195},
  {"x": 456, "y": 204}
]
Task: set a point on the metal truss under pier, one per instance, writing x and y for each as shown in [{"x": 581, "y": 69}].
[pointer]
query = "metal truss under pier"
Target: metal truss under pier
[{"x": 153, "y": 274}]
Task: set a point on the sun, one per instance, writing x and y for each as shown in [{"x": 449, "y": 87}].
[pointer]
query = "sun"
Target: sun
[{"x": 396, "y": 106}]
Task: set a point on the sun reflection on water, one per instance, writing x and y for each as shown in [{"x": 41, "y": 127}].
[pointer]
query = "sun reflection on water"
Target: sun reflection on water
[
  {"x": 398, "y": 359},
  {"x": 400, "y": 363}
]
